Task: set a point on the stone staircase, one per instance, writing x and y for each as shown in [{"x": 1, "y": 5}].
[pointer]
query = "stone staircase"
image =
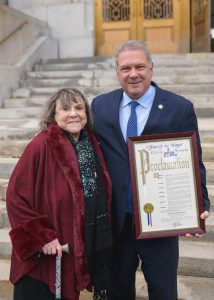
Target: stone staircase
[{"x": 191, "y": 75}]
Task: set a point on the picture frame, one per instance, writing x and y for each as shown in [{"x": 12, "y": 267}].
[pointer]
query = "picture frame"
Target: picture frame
[{"x": 166, "y": 185}]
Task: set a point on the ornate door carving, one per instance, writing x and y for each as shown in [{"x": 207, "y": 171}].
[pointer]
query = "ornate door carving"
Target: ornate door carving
[
  {"x": 164, "y": 24},
  {"x": 112, "y": 24}
]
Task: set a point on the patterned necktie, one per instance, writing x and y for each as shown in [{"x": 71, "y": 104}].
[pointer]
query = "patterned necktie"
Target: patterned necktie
[
  {"x": 132, "y": 122},
  {"x": 131, "y": 131}
]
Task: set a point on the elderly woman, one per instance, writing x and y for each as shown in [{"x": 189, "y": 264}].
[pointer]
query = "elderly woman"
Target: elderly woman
[{"x": 58, "y": 193}]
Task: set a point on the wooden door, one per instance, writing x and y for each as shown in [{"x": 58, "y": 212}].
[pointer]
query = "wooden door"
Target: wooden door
[
  {"x": 163, "y": 24},
  {"x": 112, "y": 24},
  {"x": 200, "y": 25}
]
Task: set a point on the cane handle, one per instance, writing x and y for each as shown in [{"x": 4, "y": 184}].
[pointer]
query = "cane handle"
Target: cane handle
[{"x": 65, "y": 248}]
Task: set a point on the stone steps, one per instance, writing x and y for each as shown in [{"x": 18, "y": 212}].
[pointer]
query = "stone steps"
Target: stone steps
[
  {"x": 195, "y": 266},
  {"x": 30, "y": 102},
  {"x": 48, "y": 91},
  {"x": 174, "y": 59},
  {"x": 204, "y": 112},
  {"x": 210, "y": 189},
  {"x": 206, "y": 129},
  {"x": 75, "y": 70},
  {"x": 5, "y": 243},
  {"x": 4, "y": 267},
  {"x": 31, "y": 111},
  {"x": 14, "y": 148},
  {"x": 16, "y": 129},
  {"x": 19, "y": 113},
  {"x": 3, "y": 189},
  {"x": 204, "y": 124},
  {"x": 177, "y": 84},
  {"x": 29, "y": 107},
  {"x": 196, "y": 259},
  {"x": 35, "y": 112},
  {"x": 204, "y": 75},
  {"x": 4, "y": 220},
  {"x": 90, "y": 90},
  {"x": 4, "y": 183},
  {"x": 26, "y": 128},
  {"x": 99, "y": 72},
  {"x": 199, "y": 100},
  {"x": 189, "y": 288},
  {"x": 74, "y": 66},
  {"x": 83, "y": 60},
  {"x": 7, "y": 164},
  {"x": 207, "y": 150},
  {"x": 210, "y": 172},
  {"x": 191, "y": 75}
]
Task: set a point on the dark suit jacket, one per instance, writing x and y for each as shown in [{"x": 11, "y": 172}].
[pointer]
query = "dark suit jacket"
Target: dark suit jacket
[{"x": 177, "y": 115}]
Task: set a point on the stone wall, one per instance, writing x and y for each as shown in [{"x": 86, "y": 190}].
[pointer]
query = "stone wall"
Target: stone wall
[
  {"x": 17, "y": 33},
  {"x": 71, "y": 23},
  {"x": 23, "y": 41}
]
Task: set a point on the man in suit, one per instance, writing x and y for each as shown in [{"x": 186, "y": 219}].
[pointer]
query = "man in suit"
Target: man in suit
[{"x": 158, "y": 111}]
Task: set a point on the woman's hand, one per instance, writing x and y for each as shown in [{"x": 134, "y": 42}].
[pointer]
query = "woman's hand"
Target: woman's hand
[{"x": 53, "y": 248}]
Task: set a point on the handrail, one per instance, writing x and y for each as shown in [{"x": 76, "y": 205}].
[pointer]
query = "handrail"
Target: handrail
[{"x": 12, "y": 32}]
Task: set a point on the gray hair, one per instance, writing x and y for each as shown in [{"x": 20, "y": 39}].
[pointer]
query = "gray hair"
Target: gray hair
[
  {"x": 66, "y": 96},
  {"x": 133, "y": 45}
]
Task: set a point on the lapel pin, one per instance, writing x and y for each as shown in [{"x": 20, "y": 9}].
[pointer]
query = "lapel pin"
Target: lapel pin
[{"x": 160, "y": 106}]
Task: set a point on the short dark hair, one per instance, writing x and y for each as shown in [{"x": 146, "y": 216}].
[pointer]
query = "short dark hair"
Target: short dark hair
[
  {"x": 66, "y": 96},
  {"x": 133, "y": 45}
]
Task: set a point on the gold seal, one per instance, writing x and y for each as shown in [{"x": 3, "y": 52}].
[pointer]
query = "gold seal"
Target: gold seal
[{"x": 148, "y": 207}]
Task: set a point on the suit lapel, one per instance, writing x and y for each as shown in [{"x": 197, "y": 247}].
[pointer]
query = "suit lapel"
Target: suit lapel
[
  {"x": 116, "y": 120},
  {"x": 158, "y": 107}
]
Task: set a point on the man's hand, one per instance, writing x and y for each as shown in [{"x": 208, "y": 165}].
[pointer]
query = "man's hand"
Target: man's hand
[
  {"x": 204, "y": 215},
  {"x": 53, "y": 248}
]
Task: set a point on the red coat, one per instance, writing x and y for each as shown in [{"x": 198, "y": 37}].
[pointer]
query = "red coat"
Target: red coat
[{"x": 45, "y": 201}]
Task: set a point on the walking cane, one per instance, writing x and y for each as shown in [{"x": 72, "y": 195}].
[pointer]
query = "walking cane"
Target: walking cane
[{"x": 65, "y": 248}]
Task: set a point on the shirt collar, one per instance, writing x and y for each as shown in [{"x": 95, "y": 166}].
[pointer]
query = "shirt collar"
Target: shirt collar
[{"x": 144, "y": 101}]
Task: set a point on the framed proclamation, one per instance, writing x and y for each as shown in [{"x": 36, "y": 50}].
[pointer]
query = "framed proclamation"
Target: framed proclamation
[{"x": 166, "y": 185}]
